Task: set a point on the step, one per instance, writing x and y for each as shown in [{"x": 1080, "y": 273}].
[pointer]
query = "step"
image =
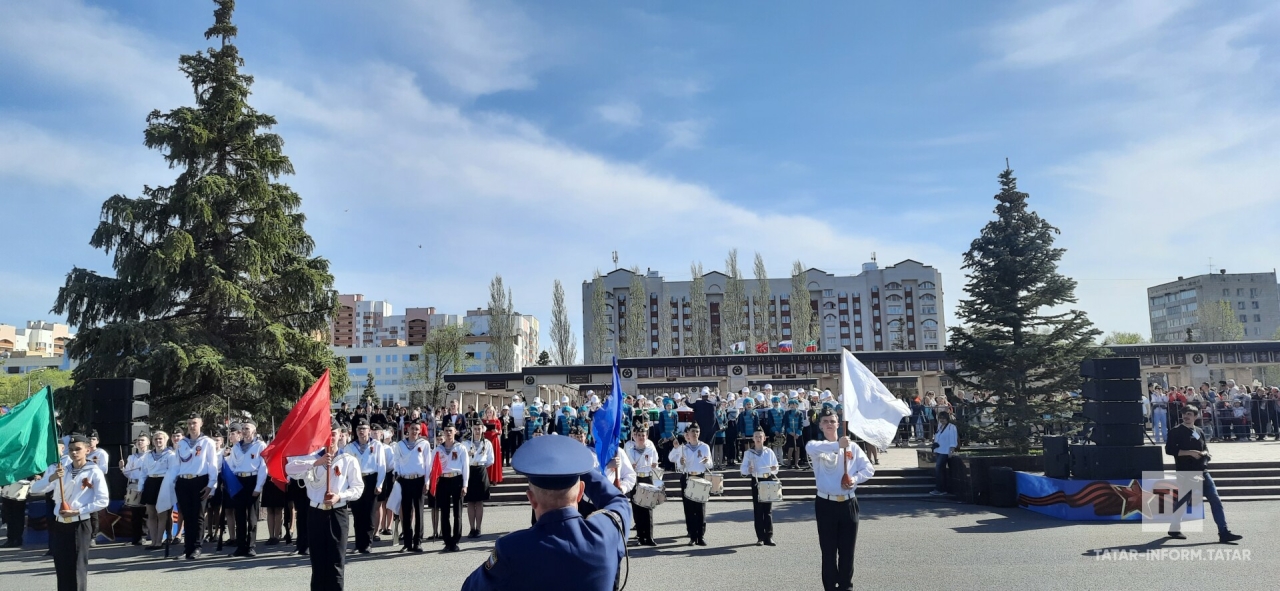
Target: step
[
  {"x": 1235, "y": 482},
  {"x": 1240, "y": 491}
]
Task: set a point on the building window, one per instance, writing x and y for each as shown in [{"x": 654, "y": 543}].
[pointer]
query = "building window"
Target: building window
[
  {"x": 1226, "y": 293},
  {"x": 1239, "y": 305},
  {"x": 786, "y": 307},
  {"x": 355, "y": 359},
  {"x": 875, "y": 313},
  {"x": 844, "y": 342},
  {"x": 857, "y": 317},
  {"x": 857, "y": 329},
  {"x": 877, "y": 338},
  {"x": 1255, "y": 305},
  {"x": 1253, "y": 292},
  {"x": 858, "y": 341},
  {"x": 1257, "y": 318},
  {"x": 413, "y": 357},
  {"x": 931, "y": 335},
  {"x": 826, "y": 293},
  {"x": 928, "y": 309},
  {"x": 844, "y": 330},
  {"x": 844, "y": 305},
  {"x": 653, "y": 332},
  {"x": 844, "y": 318},
  {"x": 893, "y": 285},
  {"x": 786, "y": 332},
  {"x": 895, "y": 310},
  {"x": 1244, "y": 318},
  {"x": 1239, "y": 292},
  {"x": 893, "y": 298},
  {"x": 377, "y": 371},
  {"x": 926, "y": 285}
]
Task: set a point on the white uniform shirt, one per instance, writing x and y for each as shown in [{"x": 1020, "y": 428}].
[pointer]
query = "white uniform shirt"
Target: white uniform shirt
[
  {"x": 100, "y": 457},
  {"x": 413, "y": 458},
  {"x": 626, "y": 474},
  {"x": 691, "y": 459},
  {"x": 159, "y": 463},
  {"x": 247, "y": 459},
  {"x": 759, "y": 465},
  {"x": 643, "y": 460},
  {"x": 453, "y": 460},
  {"x": 479, "y": 453},
  {"x": 388, "y": 452},
  {"x": 198, "y": 457},
  {"x": 86, "y": 490},
  {"x": 136, "y": 468},
  {"x": 829, "y": 466},
  {"x": 342, "y": 478},
  {"x": 371, "y": 458}
]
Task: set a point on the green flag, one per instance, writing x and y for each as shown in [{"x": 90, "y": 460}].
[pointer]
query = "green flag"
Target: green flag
[{"x": 28, "y": 438}]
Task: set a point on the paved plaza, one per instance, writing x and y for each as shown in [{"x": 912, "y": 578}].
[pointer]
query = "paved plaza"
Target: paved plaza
[{"x": 902, "y": 545}]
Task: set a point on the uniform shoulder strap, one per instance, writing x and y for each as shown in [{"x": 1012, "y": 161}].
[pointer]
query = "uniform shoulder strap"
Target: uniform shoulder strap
[{"x": 618, "y": 581}]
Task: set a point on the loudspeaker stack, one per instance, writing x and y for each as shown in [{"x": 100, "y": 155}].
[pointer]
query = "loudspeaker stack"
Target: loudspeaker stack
[
  {"x": 118, "y": 410},
  {"x": 1113, "y": 405}
]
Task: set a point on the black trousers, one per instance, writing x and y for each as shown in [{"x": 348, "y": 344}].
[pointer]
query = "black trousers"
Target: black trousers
[
  {"x": 327, "y": 536},
  {"x": 643, "y": 516},
  {"x": 362, "y": 512},
  {"x": 297, "y": 494},
  {"x": 191, "y": 506},
  {"x": 664, "y": 450},
  {"x": 763, "y": 513},
  {"x": 517, "y": 439},
  {"x": 70, "y": 545},
  {"x": 695, "y": 514},
  {"x": 15, "y": 518},
  {"x": 137, "y": 517},
  {"x": 246, "y": 507},
  {"x": 411, "y": 510},
  {"x": 449, "y": 500},
  {"x": 837, "y": 537}
]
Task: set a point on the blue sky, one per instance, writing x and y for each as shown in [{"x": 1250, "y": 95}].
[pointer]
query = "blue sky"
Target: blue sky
[{"x": 532, "y": 140}]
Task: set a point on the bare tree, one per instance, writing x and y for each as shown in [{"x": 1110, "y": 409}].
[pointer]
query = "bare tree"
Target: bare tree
[
  {"x": 638, "y": 341},
  {"x": 1216, "y": 321},
  {"x": 700, "y": 343},
  {"x": 766, "y": 327},
  {"x": 600, "y": 341},
  {"x": 501, "y": 326},
  {"x": 801, "y": 314},
  {"x": 564, "y": 345},
  {"x": 733, "y": 327},
  {"x": 664, "y": 323}
]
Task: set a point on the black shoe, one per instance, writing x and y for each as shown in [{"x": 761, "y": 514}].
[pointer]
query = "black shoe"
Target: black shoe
[
  {"x": 136, "y": 543},
  {"x": 433, "y": 537},
  {"x": 473, "y": 534},
  {"x": 273, "y": 541},
  {"x": 385, "y": 532},
  {"x": 1177, "y": 535},
  {"x": 648, "y": 543},
  {"x": 302, "y": 552},
  {"x": 239, "y": 554},
  {"x": 701, "y": 542},
  {"x": 195, "y": 554},
  {"x": 190, "y": 557},
  {"x": 1228, "y": 537},
  {"x": 375, "y": 538},
  {"x": 769, "y": 543},
  {"x": 416, "y": 550},
  {"x": 693, "y": 542},
  {"x": 288, "y": 538},
  {"x": 363, "y": 550}
]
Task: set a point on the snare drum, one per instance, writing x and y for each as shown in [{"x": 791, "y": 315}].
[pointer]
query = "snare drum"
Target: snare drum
[
  {"x": 717, "y": 483},
  {"x": 133, "y": 498},
  {"x": 769, "y": 491},
  {"x": 649, "y": 496},
  {"x": 16, "y": 491},
  {"x": 697, "y": 489}
]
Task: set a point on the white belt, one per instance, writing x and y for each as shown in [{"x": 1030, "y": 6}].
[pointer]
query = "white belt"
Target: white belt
[
  {"x": 409, "y": 476},
  {"x": 370, "y": 473},
  {"x": 328, "y": 507},
  {"x": 836, "y": 498},
  {"x": 246, "y": 474},
  {"x": 76, "y": 519},
  {"x": 450, "y": 475},
  {"x": 642, "y": 474}
]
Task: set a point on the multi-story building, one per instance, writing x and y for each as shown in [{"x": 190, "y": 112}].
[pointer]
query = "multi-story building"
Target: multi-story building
[
  {"x": 394, "y": 371},
  {"x": 38, "y": 345},
  {"x": 1175, "y": 307},
  {"x": 478, "y": 348},
  {"x": 895, "y": 308},
  {"x": 365, "y": 323}
]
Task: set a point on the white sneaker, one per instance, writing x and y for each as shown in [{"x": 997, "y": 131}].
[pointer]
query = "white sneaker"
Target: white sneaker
[{"x": 937, "y": 493}]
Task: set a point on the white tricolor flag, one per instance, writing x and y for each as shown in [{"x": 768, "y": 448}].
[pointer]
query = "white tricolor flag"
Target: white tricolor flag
[{"x": 873, "y": 412}]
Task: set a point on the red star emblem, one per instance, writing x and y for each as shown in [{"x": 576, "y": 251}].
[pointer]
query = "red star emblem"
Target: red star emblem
[{"x": 1130, "y": 499}]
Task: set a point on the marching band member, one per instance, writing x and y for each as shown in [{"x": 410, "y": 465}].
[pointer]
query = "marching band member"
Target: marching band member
[
  {"x": 333, "y": 480},
  {"x": 244, "y": 458},
  {"x": 693, "y": 459},
  {"x": 748, "y": 422},
  {"x": 480, "y": 458},
  {"x": 135, "y": 469},
  {"x": 157, "y": 489},
  {"x": 793, "y": 429},
  {"x": 643, "y": 455},
  {"x": 668, "y": 421},
  {"x": 412, "y": 464},
  {"x": 373, "y": 469},
  {"x": 838, "y": 467},
  {"x": 451, "y": 486},
  {"x": 78, "y": 491},
  {"x": 197, "y": 478},
  {"x": 761, "y": 463}
]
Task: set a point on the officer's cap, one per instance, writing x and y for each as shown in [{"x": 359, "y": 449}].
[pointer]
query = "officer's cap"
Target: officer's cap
[{"x": 553, "y": 462}]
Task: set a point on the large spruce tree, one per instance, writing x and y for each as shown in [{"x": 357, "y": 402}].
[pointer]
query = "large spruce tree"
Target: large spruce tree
[
  {"x": 1018, "y": 342},
  {"x": 216, "y": 298}
]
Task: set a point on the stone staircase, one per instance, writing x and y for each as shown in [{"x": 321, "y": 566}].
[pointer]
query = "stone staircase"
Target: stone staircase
[{"x": 1246, "y": 481}]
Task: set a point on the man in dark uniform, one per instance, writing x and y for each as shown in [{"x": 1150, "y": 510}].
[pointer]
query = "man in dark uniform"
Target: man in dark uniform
[
  {"x": 568, "y": 551},
  {"x": 1190, "y": 453},
  {"x": 704, "y": 414}
]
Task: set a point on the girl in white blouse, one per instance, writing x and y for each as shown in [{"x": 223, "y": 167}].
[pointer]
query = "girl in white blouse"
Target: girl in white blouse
[{"x": 480, "y": 455}]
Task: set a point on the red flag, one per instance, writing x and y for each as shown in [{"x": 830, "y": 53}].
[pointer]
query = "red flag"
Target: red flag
[
  {"x": 436, "y": 470},
  {"x": 305, "y": 430},
  {"x": 762, "y": 347}
]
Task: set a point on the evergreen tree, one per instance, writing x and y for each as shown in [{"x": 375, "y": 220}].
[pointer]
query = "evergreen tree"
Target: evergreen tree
[
  {"x": 1017, "y": 343},
  {"x": 544, "y": 358},
  {"x": 370, "y": 390},
  {"x": 216, "y": 296}
]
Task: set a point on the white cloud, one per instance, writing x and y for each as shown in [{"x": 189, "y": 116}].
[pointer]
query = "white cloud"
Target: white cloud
[
  {"x": 685, "y": 134},
  {"x": 621, "y": 113}
]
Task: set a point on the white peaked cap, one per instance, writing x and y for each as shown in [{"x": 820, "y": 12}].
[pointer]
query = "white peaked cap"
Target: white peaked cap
[
  {"x": 595, "y": 399},
  {"x": 768, "y": 386},
  {"x": 564, "y": 400},
  {"x": 746, "y": 390}
]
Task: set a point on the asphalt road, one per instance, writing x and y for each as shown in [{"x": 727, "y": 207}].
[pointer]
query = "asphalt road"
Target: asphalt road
[{"x": 902, "y": 545}]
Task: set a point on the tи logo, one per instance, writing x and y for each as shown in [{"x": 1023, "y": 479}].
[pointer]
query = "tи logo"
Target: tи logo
[{"x": 1172, "y": 501}]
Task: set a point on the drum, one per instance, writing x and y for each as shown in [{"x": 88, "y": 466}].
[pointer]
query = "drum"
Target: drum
[
  {"x": 133, "y": 498},
  {"x": 16, "y": 491},
  {"x": 717, "y": 483},
  {"x": 697, "y": 489},
  {"x": 769, "y": 491},
  {"x": 649, "y": 496}
]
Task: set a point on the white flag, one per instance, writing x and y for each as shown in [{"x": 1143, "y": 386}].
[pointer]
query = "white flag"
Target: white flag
[{"x": 873, "y": 412}]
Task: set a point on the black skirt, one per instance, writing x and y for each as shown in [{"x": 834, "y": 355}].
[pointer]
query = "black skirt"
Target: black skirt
[
  {"x": 272, "y": 496},
  {"x": 477, "y": 485},
  {"x": 151, "y": 489},
  {"x": 387, "y": 484}
]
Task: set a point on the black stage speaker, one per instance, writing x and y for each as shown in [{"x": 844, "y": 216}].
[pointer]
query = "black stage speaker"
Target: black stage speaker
[
  {"x": 1111, "y": 368},
  {"x": 1057, "y": 457},
  {"x": 1131, "y": 435},
  {"x": 118, "y": 400},
  {"x": 1112, "y": 390},
  {"x": 1114, "y": 413},
  {"x": 1109, "y": 462}
]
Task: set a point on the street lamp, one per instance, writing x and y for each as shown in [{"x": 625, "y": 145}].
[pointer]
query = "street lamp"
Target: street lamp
[{"x": 31, "y": 373}]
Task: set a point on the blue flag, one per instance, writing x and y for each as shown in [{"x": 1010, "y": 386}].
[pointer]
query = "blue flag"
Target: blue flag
[
  {"x": 608, "y": 422},
  {"x": 229, "y": 477}
]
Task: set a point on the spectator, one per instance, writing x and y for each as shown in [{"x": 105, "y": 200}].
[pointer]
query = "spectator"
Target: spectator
[
  {"x": 917, "y": 417},
  {"x": 945, "y": 442}
]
